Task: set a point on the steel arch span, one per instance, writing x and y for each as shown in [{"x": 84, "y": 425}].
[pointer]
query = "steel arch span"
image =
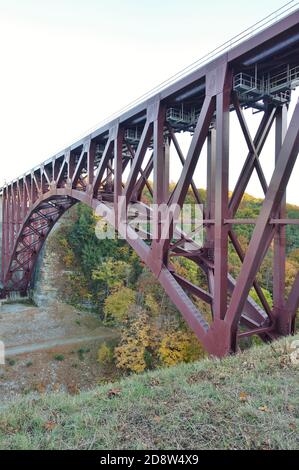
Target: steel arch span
[{"x": 120, "y": 158}]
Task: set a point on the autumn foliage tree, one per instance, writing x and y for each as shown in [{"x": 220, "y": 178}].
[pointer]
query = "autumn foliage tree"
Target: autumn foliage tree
[{"x": 130, "y": 354}]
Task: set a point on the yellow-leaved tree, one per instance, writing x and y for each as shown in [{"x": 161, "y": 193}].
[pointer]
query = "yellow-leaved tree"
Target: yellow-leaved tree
[
  {"x": 118, "y": 304},
  {"x": 105, "y": 355},
  {"x": 130, "y": 355},
  {"x": 114, "y": 273},
  {"x": 179, "y": 346}
]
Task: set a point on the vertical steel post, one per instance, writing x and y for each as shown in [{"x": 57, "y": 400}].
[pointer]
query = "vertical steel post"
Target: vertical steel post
[
  {"x": 210, "y": 210},
  {"x": 161, "y": 181},
  {"x": 211, "y": 164},
  {"x": 160, "y": 163},
  {"x": 90, "y": 165},
  {"x": 279, "y": 251},
  {"x": 292, "y": 304},
  {"x": 221, "y": 198},
  {"x": 118, "y": 170},
  {"x": 70, "y": 167}
]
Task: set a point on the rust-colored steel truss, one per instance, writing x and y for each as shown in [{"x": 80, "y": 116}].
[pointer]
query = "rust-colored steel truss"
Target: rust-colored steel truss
[{"x": 119, "y": 158}]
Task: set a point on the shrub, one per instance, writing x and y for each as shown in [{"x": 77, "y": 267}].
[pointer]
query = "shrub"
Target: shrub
[
  {"x": 105, "y": 355},
  {"x": 179, "y": 346},
  {"x": 59, "y": 357},
  {"x": 117, "y": 305},
  {"x": 130, "y": 355}
]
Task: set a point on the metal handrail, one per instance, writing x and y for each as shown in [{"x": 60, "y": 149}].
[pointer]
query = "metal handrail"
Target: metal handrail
[{"x": 267, "y": 85}]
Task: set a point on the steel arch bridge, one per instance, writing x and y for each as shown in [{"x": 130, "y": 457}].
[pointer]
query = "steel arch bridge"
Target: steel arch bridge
[{"x": 258, "y": 72}]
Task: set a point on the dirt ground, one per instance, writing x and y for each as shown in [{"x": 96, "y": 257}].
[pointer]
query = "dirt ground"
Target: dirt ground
[{"x": 51, "y": 349}]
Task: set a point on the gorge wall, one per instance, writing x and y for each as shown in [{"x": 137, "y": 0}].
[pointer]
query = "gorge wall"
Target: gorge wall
[{"x": 50, "y": 276}]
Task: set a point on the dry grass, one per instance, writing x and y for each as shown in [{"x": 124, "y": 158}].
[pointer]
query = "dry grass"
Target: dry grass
[{"x": 249, "y": 401}]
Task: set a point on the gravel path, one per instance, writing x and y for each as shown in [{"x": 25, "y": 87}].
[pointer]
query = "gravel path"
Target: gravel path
[{"x": 28, "y": 348}]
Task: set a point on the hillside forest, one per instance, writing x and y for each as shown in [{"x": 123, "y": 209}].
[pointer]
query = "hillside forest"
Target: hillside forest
[{"x": 107, "y": 277}]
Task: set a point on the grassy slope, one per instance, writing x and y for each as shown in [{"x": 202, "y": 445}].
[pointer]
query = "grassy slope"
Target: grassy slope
[{"x": 246, "y": 401}]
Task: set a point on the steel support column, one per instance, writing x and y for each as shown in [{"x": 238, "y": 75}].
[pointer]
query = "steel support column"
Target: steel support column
[
  {"x": 221, "y": 197},
  {"x": 279, "y": 249}
]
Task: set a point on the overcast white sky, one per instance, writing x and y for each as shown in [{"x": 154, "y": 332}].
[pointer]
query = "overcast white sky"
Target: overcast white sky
[{"x": 68, "y": 64}]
